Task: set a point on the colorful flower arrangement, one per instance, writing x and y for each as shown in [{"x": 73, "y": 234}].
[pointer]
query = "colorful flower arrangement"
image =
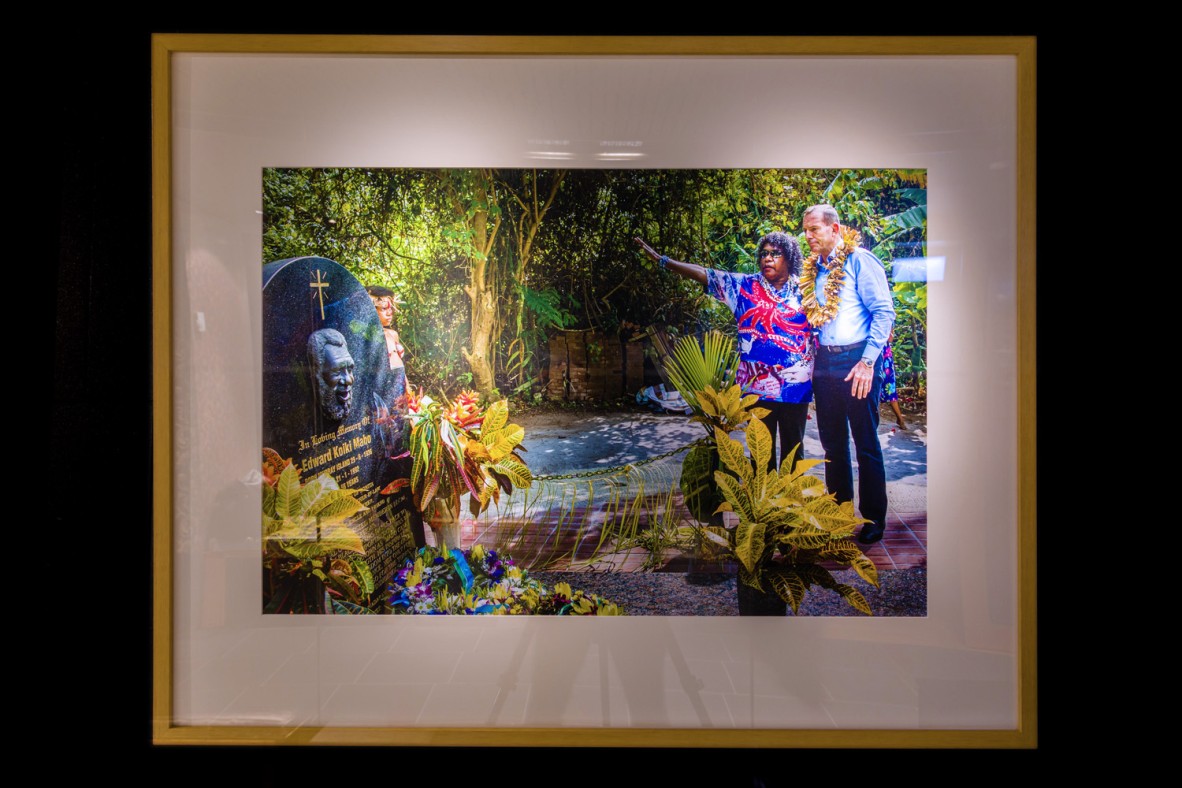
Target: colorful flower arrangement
[
  {"x": 458, "y": 447},
  {"x": 480, "y": 581}
]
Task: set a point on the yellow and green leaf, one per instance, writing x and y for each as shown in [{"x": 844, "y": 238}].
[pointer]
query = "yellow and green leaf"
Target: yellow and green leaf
[
  {"x": 759, "y": 441},
  {"x": 855, "y": 599},
  {"x": 517, "y": 473},
  {"x": 732, "y": 456},
  {"x": 735, "y": 495},
  {"x": 287, "y": 492},
  {"x": 789, "y": 584},
  {"x": 495, "y": 417},
  {"x": 335, "y": 506},
  {"x": 749, "y": 544}
]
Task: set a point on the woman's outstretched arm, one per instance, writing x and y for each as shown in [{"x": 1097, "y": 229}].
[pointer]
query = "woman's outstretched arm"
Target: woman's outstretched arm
[{"x": 686, "y": 270}]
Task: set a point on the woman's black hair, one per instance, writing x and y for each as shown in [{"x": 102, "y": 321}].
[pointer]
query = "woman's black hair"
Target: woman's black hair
[
  {"x": 377, "y": 291},
  {"x": 787, "y": 246}
]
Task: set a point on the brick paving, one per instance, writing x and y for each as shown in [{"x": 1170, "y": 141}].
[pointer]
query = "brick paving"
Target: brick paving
[
  {"x": 570, "y": 536},
  {"x": 550, "y": 541}
]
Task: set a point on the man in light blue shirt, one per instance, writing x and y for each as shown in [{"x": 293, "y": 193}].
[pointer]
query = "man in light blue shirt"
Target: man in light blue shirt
[{"x": 848, "y": 301}]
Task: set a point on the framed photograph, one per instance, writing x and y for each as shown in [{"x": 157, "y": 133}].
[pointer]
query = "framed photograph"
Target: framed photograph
[{"x": 251, "y": 134}]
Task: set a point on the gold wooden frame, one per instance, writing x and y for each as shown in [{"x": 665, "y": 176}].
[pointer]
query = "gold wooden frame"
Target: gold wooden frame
[{"x": 166, "y": 732}]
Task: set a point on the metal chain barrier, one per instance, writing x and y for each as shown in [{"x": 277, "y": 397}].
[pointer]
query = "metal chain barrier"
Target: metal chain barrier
[{"x": 627, "y": 467}]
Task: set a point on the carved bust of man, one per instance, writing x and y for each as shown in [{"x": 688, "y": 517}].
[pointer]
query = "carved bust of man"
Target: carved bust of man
[{"x": 332, "y": 372}]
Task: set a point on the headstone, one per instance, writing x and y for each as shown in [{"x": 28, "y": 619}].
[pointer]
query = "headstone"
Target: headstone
[{"x": 332, "y": 404}]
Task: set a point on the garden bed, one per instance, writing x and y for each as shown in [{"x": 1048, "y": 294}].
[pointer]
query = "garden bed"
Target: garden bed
[{"x": 901, "y": 592}]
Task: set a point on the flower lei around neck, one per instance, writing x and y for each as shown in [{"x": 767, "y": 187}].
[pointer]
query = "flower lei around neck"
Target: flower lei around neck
[
  {"x": 819, "y": 314},
  {"x": 777, "y": 294}
]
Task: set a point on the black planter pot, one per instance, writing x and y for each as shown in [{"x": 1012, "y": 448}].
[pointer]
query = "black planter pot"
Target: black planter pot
[{"x": 753, "y": 602}]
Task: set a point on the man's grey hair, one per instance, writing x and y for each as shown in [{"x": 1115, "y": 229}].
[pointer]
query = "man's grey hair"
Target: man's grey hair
[
  {"x": 826, "y": 211},
  {"x": 316, "y": 342}
]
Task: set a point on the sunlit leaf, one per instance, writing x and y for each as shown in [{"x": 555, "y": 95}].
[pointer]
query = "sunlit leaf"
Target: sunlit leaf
[
  {"x": 288, "y": 492},
  {"x": 749, "y": 544},
  {"x": 732, "y": 456},
  {"x": 335, "y": 505},
  {"x": 496, "y": 417}
]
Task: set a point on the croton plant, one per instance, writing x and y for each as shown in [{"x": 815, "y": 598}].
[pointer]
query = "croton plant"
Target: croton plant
[{"x": 459, "y": 446}]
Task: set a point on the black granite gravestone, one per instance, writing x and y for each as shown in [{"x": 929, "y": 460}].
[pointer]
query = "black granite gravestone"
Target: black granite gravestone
[{"x": 331, "y": 402}]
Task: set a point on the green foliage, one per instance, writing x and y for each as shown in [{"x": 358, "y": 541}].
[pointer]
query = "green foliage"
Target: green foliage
[
  {"x": 909, "y": 341},
  {"x": 455, "y": 448},
  {"x": 307, "y": 521},
  {"x": 657, "y": 539},
  {"x": 546, "y": 306},
  {"x": 727, "y": 410},
  {"x": 543, "y": 250},
  {"x": 700, "y": 373},
  {"x": 910, "y": 219},
  {"x": 704, "y": 376},
  {"x": 500, "y": 468},
  {"x": 305, "y": 532},
  {"x": 694, "y": 368},
  {"x": 697, "y": 481},
  {"x": 788, "y": 525}
]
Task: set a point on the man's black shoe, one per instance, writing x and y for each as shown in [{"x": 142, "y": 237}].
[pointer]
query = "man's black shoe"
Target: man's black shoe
[{"x": 871, "y": 533}]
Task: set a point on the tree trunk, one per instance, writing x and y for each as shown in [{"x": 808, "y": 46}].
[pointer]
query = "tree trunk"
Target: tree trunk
[
  {"x": 480, "y": 335},
  {"x": 485, "y": 212},
  {"x": 482, "y": 284}
]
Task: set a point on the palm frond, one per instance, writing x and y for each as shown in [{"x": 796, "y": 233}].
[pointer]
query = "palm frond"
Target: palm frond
[{"x": 693, "y": 367}]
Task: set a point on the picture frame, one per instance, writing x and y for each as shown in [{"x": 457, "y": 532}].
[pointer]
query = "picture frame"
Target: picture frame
[{"x": 1006, "y": 642}]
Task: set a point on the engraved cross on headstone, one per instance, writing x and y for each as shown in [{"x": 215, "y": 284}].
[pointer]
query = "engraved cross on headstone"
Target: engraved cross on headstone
[{"x": 319, "y": 286}]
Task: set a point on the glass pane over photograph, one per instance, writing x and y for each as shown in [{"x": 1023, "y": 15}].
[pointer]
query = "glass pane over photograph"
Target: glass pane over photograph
[
  {"x": 356, "y": 242},
  {"x": 643, "y": 385}
]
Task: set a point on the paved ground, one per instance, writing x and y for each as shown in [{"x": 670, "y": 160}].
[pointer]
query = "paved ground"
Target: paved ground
[{"x": 560, "y": 442}]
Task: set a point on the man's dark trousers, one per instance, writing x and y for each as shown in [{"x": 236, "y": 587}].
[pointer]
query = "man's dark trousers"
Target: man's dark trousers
[{"x": 839, "y": 414}]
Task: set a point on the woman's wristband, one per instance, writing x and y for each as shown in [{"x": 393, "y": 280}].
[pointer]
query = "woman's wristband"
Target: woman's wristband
[{"x": 664, "y": 261}]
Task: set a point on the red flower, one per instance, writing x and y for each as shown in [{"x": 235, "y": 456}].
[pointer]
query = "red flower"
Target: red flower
[{"x": 465, "y": 411}]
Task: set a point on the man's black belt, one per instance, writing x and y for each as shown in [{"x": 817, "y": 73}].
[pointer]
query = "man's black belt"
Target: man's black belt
[{"x": 842, "y": 348}]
